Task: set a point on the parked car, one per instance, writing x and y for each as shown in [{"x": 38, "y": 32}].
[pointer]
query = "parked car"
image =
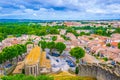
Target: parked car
[
  {"x": 70, "y": 63},
  {"x": 55, "y": 54},
  {"x": 8, "y": 65}
]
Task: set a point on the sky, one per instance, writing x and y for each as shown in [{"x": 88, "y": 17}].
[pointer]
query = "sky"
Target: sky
[{"x": 60, "y": 9}]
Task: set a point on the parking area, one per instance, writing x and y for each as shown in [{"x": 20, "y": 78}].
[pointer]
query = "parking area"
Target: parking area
[{"x": 60, "y": 63}]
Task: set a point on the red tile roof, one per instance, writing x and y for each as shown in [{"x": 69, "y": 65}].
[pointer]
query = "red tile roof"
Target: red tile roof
[{"x": 114, "y": 44}]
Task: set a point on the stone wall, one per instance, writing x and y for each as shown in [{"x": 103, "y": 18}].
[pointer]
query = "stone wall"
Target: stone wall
[
  {"x": 98, "y": 72},
  {"x": 117, "y": 69}
]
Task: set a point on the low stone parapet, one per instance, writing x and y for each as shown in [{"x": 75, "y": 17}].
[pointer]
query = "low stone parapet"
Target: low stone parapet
[{"x": 97, "y": 71}]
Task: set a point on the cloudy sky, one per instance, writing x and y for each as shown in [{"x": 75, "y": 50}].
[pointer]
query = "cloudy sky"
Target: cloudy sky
[{"x": 60, "y": 9}]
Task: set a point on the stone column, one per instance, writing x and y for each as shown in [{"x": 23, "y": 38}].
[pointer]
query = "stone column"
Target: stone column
[
  {"x": 29, "y": 70},
  {"x": 37, "y": 69},
  {"x": 32, "y": 70}
]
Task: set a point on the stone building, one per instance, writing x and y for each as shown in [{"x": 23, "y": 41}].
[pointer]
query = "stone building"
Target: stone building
[
  {"x": 19, "y": 68},
  {"x": 29, "y": 47},
  {"x": 36, "y": 62}
]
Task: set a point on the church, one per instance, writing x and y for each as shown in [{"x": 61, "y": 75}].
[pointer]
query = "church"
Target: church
[{"x": 36, "y": 62}]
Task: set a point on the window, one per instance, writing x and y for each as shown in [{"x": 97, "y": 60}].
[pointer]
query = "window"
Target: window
[
  {"x": 34, "y": 70},
  {"x": 31, "y": 70}
]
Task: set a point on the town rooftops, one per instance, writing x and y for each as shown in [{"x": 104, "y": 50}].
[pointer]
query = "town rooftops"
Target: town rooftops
[
  {"x": 33, "y": 57},
  {"x": 114, "y": 44},
  {"x": 90, "y": 59}
]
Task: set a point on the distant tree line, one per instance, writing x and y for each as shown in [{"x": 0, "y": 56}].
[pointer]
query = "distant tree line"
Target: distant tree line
[
  {"x": 19, "y": 28},
  {"x": 93, "y": 30}
]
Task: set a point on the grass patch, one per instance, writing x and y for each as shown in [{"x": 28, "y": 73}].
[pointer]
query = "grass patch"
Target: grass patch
[{"x": 69, "y": 76}]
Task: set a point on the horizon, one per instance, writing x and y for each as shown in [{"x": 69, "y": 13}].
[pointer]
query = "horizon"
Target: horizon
[
  {"x": 60, "y": 9},
  {"x": 65, "y": 19}
]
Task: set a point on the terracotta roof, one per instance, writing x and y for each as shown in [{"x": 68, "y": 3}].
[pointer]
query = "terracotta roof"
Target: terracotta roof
[
  {"x": 72, "y": 23},
  {"x": 102, "y": 43},
  {"x": 33, "y": 57},
  {"x": 15, "y": 41},
  {"x": 114, "y": 44},
  {"x": 117, "y": 59}
]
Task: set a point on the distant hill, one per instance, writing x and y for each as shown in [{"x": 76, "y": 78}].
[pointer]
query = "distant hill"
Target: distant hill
[{"x": 32, "y": 20}]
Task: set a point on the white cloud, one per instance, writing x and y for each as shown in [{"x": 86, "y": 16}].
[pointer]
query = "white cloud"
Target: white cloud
[
  {"x": 22, "y": 6},
  {"x": 34, "y": 14},
  {"x": 113, "y": 8},
  {"x": 74, "y": 9},
  {"x": 0, "y": 8},
  {"x": 96, "y": 11}
]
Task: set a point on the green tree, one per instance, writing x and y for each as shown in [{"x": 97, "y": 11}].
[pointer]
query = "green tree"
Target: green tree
[
  {"x": 108, "y": 44},
  {"x": 77, "y": 52},
  {"x": 1, "y": 38},
  {"x": 1, "y": 58},
  {"x": 54, "y": 38},
  {"x": 43, "y": 44},
  {"x": 117, "y": 30},
  {"x": 51, "y": 45},
  {"x": 119, "y": 45},
  {"x": 105, "y": 59},
  {"x": 109, "y": 26},
  {"x": 99, "y": 32},
  {"x": 60, "y": 46},
  {"x": 82, "y": 33},
  {"x": 9, "y": 53},
  {"x": 28, "y": 42},
  {"x": 41, "y": 32},
  {"x": 76, "y": 70},
  {"x": 65, "y": 38},
  {"x": 53, "y": 31}
]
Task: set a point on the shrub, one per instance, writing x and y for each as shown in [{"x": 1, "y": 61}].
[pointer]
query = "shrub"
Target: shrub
[
  {"x": 76, "y": 70},
  {"x": 108, "y": 44},
  {"x": 105, "y": 59}
]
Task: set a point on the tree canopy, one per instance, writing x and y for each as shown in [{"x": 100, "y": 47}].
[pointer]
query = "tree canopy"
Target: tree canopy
[
  {"x": 108, "y": 44},
  {"x": 77, "y": 52},
  {"x": 42, "y": 44},
  {"x": 9, "y": 53},
  {"x": 60, "y": 46},
  {"x": 54, "y": 38},
  {"x": 18, "y": 29},
  {"x": 119, "y": 45},
  {"x": 52, "y": 45}
]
